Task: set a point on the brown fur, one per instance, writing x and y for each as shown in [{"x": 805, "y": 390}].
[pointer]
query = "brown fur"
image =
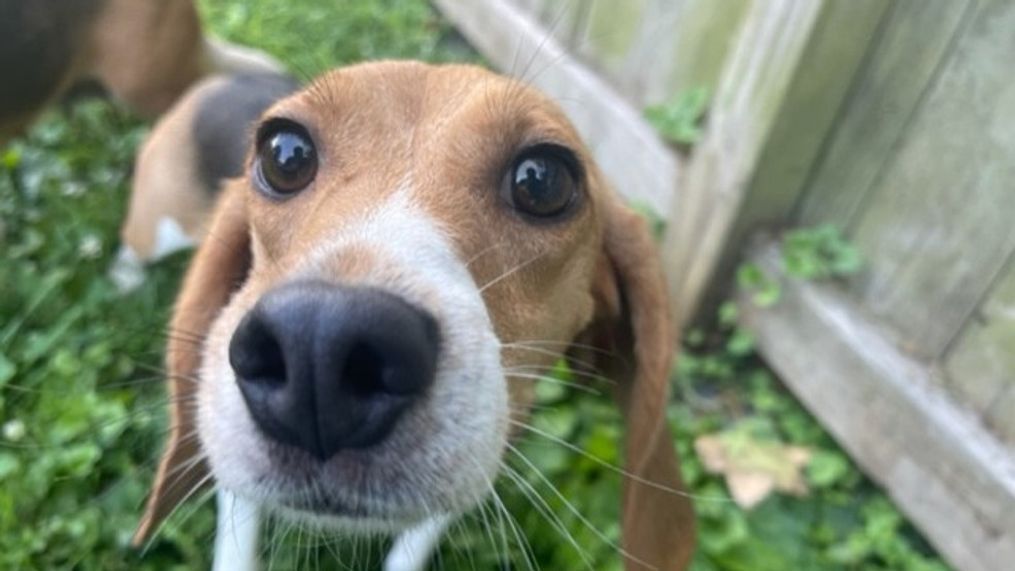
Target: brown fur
[
  {"x": 452, "y": 131},
  {"x": 147, "y": 52},
  {"x": 144, "y": 52}
]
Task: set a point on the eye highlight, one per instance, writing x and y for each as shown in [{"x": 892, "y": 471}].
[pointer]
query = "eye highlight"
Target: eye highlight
[
  {"x": 542, "y": 182},
  {"x": 286, "y": 158}
]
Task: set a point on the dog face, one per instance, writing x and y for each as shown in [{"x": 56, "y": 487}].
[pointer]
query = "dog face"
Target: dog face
[{"x": 410, "y": 246}]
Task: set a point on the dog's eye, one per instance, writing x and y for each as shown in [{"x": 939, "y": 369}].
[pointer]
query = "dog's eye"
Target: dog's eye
[
  {"x": 542, "y": 184},
  {"x": 287, "y": 160}
]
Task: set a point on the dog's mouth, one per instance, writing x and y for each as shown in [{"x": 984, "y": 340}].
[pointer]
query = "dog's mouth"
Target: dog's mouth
[
  {"x": 327, "y": 509},
  {"x": 355, "y": 514}
]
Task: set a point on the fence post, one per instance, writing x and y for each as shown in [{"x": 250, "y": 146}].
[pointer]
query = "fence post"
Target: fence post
[{"x": 786, "y": 78}]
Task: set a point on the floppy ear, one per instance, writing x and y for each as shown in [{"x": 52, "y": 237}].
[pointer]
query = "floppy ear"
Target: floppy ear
[
  {"x": 217, "y": 269},
  {"x": 632, "y": 327}
]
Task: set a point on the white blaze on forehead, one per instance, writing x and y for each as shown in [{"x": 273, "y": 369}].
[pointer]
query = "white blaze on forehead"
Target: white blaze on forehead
[{"x": 402, "y": 232}]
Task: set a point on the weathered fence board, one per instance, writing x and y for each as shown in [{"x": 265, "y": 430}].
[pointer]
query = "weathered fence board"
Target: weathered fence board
[
  {"x": 702, "y": 38},
  {"x": 909, "y": 51},
  {"x": 981, "y": 365},
  {"x": 935, "y": 459},
  {"x": 753, "y": 84},
  {"x": 611, "y": 31},
  {"x": 1001, "y": 416},
  {"x": 840, "y": 41},
  {"x": 532, "y": 7},
  {"x": 565, "y": 20},
  {"x": 785, "y": 82},
  {"x": 939, "y": 226}
]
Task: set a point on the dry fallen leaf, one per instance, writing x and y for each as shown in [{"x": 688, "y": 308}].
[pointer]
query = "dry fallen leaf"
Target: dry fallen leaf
[{"x": 753, "y": 467}]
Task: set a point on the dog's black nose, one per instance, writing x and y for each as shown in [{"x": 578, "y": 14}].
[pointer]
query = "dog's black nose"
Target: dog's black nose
[{"x": 324, "y": 367}]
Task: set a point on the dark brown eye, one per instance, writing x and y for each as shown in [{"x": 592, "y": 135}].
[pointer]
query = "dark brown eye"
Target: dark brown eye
[
  {"x": 542, "y": 183},
  {"x": 287, "y": 160}
]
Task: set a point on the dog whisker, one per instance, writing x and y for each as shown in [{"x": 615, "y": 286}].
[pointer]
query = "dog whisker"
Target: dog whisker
[
  {"x": 563, "y": 344},
  {"x": 616, "y": 469},
  {"x": 197, "y": 486},
  {"x": 574, "y": 510},
  {"x": 549, "y": 370},
  {"x": 511, "y": 271},
  {"x": 479, "y": 254},
  {"x": 531, "y": 377},
  {"x": 547, "y": 352},
  {"x": 523, "y": 543},
  {"x": 544, "y": 509}
]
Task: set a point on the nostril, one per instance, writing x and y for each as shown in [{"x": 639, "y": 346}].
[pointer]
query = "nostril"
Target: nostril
[
  {"x": 364, "y": 370},
  {"x": 255, "y": 354}
]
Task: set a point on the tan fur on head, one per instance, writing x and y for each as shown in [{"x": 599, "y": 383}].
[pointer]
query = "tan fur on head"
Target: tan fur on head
[{"x": 406, "y": 199}]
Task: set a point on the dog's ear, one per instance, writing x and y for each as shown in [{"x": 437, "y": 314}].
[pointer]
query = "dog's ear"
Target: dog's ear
[
  {"x": 635, "y": 342},
  {"x": 218, "y": 268}
]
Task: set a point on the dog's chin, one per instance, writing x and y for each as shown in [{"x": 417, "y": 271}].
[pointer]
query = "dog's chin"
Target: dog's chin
[
  {"x": 344, "y": 518},
  {"x": 385, "y": 488}
]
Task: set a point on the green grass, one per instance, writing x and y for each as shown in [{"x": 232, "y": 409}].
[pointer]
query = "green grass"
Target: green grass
[{"x": 82, "y": 401}]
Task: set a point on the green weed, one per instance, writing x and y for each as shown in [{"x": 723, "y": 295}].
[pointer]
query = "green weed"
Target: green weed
[{"x": 679, "y": 119}]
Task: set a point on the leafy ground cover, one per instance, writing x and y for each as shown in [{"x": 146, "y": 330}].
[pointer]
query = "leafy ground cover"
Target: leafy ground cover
[{"x": 81, "y": 397}]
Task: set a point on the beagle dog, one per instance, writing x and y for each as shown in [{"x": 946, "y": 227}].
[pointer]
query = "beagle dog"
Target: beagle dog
[
  {"x": 144, "y": 52},
  {"x": 348, "y": 345}
]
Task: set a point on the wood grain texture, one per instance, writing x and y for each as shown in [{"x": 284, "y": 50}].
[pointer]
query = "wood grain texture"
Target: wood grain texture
[
  {"x": 565, "y": 20},
  {"x": 531, "y": 7},
  {"x": 981, "y": 364},
  {"x": 642, "y": 74},
  {"x": 695, "y": 52},
  {"x": 650, "y": 50},
  {"x": 628, "y": 150},
  {"x": 806, "y": 116},
  {"x": 938, "y": 227},
  {"x": 1001, "y": 416},
  {"x": 840, "y": 42},
  {"x": 901, "y": 65},
  {"x": 611, "y": 30},
  {"x": 752, "y": 88},
  {"x": 950, "y": 476}
]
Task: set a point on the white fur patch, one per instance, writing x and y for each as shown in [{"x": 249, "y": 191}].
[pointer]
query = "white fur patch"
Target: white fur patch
[
  {"x": 414, "y": 547},
  {"x": 237, "y": 532},
  {"x": 170, "y": 238}
]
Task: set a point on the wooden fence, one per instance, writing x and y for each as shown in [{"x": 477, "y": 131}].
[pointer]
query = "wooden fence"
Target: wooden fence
[{"x": 892, "y": 119}]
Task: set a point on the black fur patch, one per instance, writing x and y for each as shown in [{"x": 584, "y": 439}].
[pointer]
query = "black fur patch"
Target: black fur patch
[
  {"x": 222, "y": 125},
  {"x": 38, "y": 39}
]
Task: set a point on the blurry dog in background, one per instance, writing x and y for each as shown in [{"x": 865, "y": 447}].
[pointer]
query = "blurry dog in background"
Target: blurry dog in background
[
  {"x": 198, "y": 143},
  {"x": 146, "y": 54}
]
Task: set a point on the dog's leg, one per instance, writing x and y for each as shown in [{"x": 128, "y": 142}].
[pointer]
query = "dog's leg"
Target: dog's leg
[
  {"x": 236, "y": 534},
  {"x": 414, "y": 547}
]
